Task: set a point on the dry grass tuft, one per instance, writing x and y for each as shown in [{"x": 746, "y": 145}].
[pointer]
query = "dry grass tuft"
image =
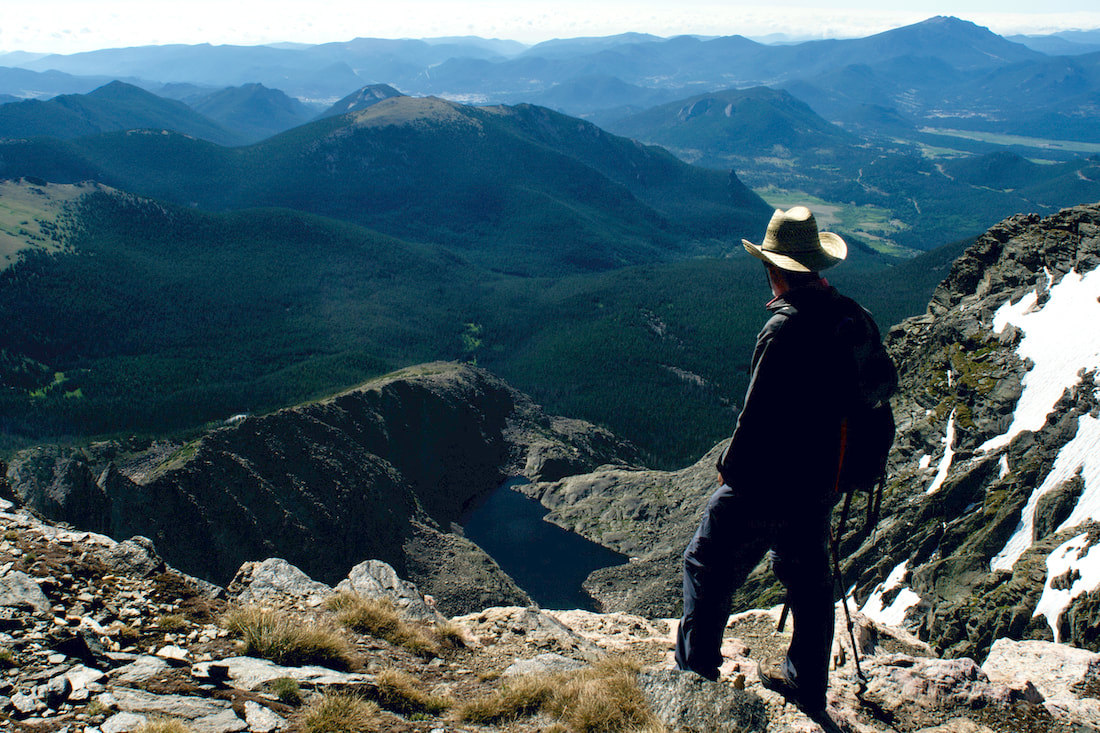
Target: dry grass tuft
[
  {"x": 400, "y": 692},
  {"x": 172, "y": 622},
  {"x": 450, "y": 635},
  {"x": 287, "y": 690},
  {"x": 603, "y": 698},
  {"x": 378, "y": 617},
  {"x": 518, "y": 697},
  {"x": 339, "y": 712},
  {"x": 163, "y": 725},
  {"x": 287, "y": 640}
]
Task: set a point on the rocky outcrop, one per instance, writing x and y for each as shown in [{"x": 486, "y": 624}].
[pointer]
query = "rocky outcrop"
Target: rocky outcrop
[
  {"x": 980, "y": 488},
  {"x": 380, "y": 471}
]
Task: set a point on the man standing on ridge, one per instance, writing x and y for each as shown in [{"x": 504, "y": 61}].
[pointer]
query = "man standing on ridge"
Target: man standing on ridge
[{"x": 780, "y": 471}]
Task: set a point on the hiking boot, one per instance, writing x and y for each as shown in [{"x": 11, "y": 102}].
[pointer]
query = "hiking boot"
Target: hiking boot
[{"x": 774, "y": 677}]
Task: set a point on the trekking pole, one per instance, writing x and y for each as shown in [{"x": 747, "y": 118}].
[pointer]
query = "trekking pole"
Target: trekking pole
[{"x": 833, "y": 545}]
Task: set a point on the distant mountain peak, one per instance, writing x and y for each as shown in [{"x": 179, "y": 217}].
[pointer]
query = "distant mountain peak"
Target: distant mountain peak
[
  {"x": 402, "y": 110},
  {"x": 361, "y": 99}
]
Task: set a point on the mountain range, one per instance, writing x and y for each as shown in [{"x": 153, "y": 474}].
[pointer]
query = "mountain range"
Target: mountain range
[
  {"x": 937, "y": 72},
  {"x": 868, "y": 125},
  {"x": 522, "y": 188}
]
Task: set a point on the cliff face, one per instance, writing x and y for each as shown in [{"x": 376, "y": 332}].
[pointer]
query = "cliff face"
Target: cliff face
[
  {"x": 994, "y": 476},
  {"x": 378, "y": 472},
  {"x": 994, "y": 479}
]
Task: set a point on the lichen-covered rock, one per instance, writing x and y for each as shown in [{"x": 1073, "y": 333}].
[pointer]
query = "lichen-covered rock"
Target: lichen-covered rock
[
  {"x": 1065, "y": 677},
  {"x": 534, "y": 630},
  {"x": 20, "y": 591},
  {"x": 686, "y": 702}
]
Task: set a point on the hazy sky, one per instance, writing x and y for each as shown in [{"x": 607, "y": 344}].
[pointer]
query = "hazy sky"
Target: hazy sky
[{"x": 67, "y": 26}]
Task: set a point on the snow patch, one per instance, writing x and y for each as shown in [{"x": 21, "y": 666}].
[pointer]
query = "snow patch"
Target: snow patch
[
  {"x": 1069, "y": 556},
  {"x": 894, "y": 614},
  {"x": 1059, "y": 343},
  {"x": 948, "y": 455},
  {"x": 1082, "y": 454}
]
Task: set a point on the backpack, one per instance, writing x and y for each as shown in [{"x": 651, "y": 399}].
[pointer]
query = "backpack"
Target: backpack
[
  {"x": 866, "y": 380},
  {"x": 868, "y": 429}
]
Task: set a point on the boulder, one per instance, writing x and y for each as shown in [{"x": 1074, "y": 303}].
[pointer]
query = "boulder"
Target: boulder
[
  {"x": 136, "y": 556},
  {"x": 1067, "y": 678},
  {"x": 276, "y": 580},
  {"x": 530, "y": 629},
  {"x": 20, "y": 591},
  {"x": 201, "y": 715},
  {"x": 374, "y": 579},
  {"x": 688, "y": 703}
]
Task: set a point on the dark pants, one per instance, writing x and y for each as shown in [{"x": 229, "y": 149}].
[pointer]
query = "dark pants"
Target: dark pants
[{"x": 736, "y": 531}]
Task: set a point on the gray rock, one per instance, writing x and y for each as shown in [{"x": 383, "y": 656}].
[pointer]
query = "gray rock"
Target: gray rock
[
  {"x": 375, "y": 578},
  {"x": 26, "y": 704},
  {"x": 175, "y": 655},
  {"x": 540, "y": 664},
  {"x": 261, "y": 719},
  {"x": 21, "y": 591},
  {"x": 201, "y": 715},
  {"x": 688, "y": 703},
  {"x": 123, "y": 723},
  {"x": 528, "y": 628},
  {"x": 901, "y": 684},
  {"x": 136, "y": 556},
  {"x": 56, "y": 691},
  {"x": 276, "y": 579},
  {"x": 249, "y": 673},
  {"x": 139, "y": 670},
  {"x": 1060, "y": 673}
]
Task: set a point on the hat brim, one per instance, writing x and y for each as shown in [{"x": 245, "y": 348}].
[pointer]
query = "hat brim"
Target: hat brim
[{"x": 833, "y": 251}]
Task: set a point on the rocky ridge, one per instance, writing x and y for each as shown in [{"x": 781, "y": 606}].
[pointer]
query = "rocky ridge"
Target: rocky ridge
[
  {"x": 100, "y": 636},
  {"x": 382, "y": 471}
]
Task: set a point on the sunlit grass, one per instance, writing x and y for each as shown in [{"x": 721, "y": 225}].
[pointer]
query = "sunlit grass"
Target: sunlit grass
[
  {"x": 287, "y": 640},
  {"x": 601, "y": 698}
]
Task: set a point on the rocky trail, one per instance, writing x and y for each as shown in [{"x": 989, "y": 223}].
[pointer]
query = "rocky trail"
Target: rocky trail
[{"x": 102, "y": 636}]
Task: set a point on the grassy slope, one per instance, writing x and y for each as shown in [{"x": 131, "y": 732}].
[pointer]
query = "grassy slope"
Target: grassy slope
[
  {"x": 519, "y": 189},
  {"x": 164, "y": 318}
]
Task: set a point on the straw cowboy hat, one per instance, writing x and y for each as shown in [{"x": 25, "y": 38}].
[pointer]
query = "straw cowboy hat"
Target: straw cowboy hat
[{"x": 793, "y": 243}]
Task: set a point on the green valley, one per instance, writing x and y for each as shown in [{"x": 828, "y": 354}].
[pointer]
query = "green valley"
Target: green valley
[{"x": 156, "y": 319}]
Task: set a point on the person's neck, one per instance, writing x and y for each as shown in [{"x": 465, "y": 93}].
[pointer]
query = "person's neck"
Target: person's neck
[{"x": 781, "y": 285}]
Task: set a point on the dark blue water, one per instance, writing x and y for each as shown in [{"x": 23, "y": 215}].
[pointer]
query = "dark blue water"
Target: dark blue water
[{"x": 545, "y": 560}]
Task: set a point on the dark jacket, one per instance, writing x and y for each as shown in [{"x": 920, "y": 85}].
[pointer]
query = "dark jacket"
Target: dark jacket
[{"x": 786, "y": 446}]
